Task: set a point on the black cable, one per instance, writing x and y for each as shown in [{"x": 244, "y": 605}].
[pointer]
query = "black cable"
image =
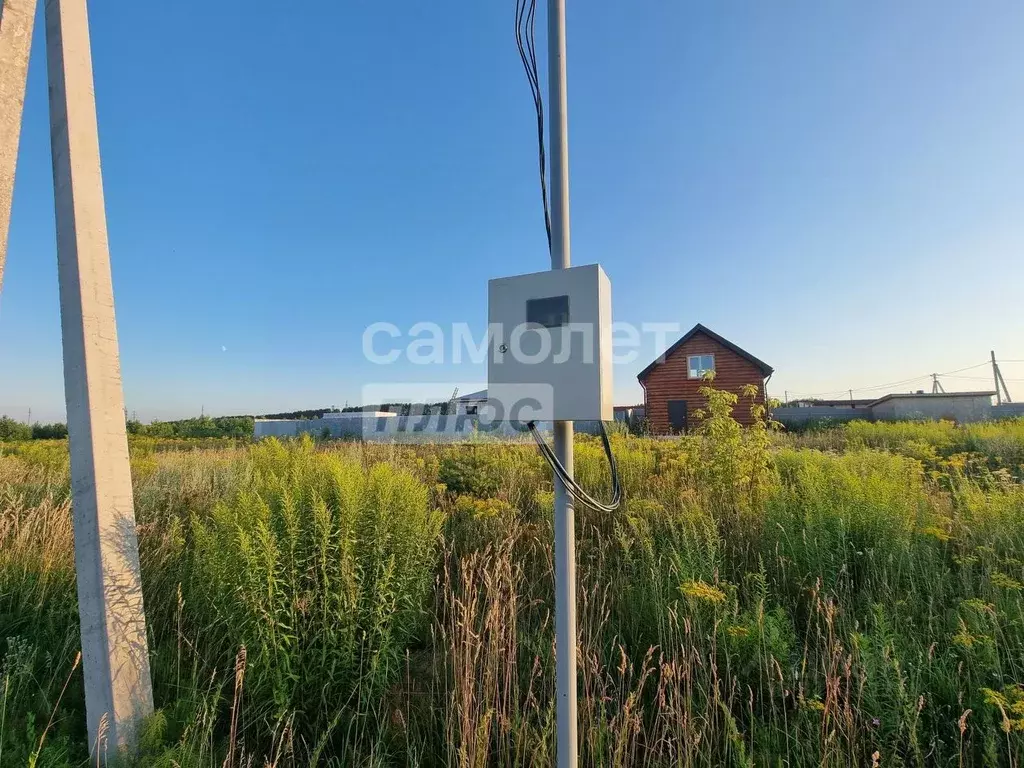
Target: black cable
[
  {"x": 526, "y": 16},
  {"x": 571, "y": 485}
]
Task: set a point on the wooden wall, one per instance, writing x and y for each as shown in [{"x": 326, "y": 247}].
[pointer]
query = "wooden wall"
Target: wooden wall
[{"x": 670, "y": 381}]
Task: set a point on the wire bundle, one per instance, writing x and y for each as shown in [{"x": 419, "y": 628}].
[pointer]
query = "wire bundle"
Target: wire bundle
[
  {"x": 571, "y": 485},
  {"x": 526, "y": 40}
]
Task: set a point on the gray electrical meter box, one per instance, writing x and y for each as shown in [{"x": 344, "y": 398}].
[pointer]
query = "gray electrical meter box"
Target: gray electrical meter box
[{"x": 550, "y": 345}]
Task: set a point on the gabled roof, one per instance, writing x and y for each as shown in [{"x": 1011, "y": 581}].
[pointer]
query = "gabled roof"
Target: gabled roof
[{"x": 765, "y": 369}]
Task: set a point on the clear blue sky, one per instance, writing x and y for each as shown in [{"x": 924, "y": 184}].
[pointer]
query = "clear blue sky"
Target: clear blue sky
[{"x": 836, "y": 187}]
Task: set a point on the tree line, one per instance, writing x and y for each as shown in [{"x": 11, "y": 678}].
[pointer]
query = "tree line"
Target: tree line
[
  {"x": 238, "y": 427},
  {"x": 202, "y": 426},
  {"x": 11, "y": 430}
]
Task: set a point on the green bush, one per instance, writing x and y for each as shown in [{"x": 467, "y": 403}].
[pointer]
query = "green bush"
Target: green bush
[
  {"x": 12, "y": 431},
  {"x": 56, "y": 431},
  {"x": 470, "y": 470}
]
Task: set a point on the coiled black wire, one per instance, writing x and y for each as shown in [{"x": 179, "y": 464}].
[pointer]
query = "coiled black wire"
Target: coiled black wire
[{"x": 571, "y": 485}]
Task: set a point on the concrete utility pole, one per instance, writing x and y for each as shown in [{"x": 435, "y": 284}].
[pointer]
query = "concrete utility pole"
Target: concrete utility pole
[
  {"x": 118, "y": 690},
  {"x": 565, "y": 518},
  {"x": 998, "y": 376},
  {"x": 995, "y": 376},
  {"x": 16, "y": 19}
]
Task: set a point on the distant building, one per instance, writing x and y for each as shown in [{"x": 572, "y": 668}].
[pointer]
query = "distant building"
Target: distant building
[
  {"x": 672, "y": 383},
  {"x": 846, "y": 404},
  {"x": 961, "y": 407},
  {"x": 631, "y": 415},
  {"x": 334, "y": 425},
  {"x": 358, "y": 415},
  {"x": 471, "y": 404}
]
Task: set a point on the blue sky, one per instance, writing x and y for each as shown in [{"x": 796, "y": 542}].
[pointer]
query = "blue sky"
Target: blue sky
[{"x": 836, "y": 187}]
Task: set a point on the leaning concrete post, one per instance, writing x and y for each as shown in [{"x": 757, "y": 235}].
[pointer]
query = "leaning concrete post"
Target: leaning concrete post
[
  {"x": 16, "y": 17},
  {"x": 114, "y": 648}
]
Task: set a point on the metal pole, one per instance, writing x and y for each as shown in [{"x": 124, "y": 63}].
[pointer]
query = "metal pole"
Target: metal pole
[
  {"x": 16, "y": 19},
  {"x": 118, "y": 691},
  {"x": 565, "y": 529},
  {"x": 995, "y": 376}
]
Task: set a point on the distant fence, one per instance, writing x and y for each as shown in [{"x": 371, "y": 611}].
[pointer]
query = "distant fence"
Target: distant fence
[
  {"x": 414, "y": 428},
  {"x": 797, "y": 416},
  {"x": 1007, "y": 410},
  {"x": 410, "y": 428}
]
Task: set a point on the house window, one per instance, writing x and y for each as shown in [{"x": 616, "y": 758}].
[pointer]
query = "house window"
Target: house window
[{"x": 701, "y": 364}]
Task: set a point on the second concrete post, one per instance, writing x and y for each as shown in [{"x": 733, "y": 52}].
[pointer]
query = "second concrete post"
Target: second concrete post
[{"x": 114, "y": 646}]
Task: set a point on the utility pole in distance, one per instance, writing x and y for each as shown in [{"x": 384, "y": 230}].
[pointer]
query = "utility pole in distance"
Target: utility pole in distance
[
  {"x": 118, "y": 689},
  {"x": 999, "y": 380},
  {"x": 16, "y": 20},
  {"x": 565, "y": 518},
  {"x": 995, "y": 376}
]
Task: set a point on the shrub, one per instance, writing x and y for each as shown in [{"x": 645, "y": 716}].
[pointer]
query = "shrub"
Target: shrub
[
  {"x": 470, "y": 470},
  {"x": 56, "y": 431},
  {"x": 13, "y": 431}
]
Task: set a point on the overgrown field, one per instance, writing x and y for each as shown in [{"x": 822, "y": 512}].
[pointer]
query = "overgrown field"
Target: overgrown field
[{"x": 851, "y": 597}]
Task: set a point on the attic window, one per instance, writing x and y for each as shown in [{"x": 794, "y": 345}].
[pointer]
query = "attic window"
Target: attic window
[{"x": 700, "y": 364}]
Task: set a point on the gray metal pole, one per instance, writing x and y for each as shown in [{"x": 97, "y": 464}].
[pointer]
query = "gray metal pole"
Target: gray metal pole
[
  {"x": 995, "y": 376},
  {"x": 118, "y": 690},
  {"x": 16, "y": 19},
  {"x": 565, "y": 519}
]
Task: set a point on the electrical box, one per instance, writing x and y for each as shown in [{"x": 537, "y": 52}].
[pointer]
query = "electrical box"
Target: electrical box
[{"x": 550, "y": 345}]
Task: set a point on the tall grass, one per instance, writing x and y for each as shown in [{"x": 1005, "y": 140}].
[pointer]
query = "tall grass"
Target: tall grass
[
  {"x": 993, "y": 444},
  {"x": 750, "y": 604}
]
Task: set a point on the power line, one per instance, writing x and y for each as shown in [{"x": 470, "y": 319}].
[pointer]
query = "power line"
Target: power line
[
  {"x": 968, "y": 368},
  {"x": 981, "y": 378},
  {"x": 875, "y": 387},
  {"x": 526, "y": 41},
  {"x": 893, "y": 383}
]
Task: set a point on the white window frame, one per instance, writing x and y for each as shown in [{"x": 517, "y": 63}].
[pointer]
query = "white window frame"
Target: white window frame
[{"x": 700, "y": 371}]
